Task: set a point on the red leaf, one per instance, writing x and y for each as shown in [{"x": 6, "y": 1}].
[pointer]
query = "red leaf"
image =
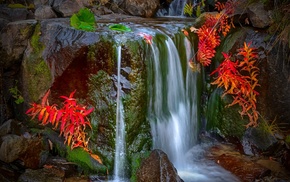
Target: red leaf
[{"x": 44, "y": 99}]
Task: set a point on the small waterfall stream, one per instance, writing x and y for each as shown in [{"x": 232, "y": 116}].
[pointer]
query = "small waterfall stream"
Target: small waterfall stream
[
  {"x": 120, "y": 153},
  {"x": 172, "y": 115},
  {"x": 173, "y": 109}
]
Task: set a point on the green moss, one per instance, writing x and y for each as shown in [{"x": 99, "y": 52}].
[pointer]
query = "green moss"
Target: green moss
[
  {"x": 30, "y": 6},
  {"x": 136, "y": 161},
  {"x": 36, "y": 44},
  {"x": 37, "y": 73},
  {"x": 103, "y": 119},
  {"x": 39, "y": 77},
  {"x": 85, "y": 161},
  {"x": 225, "y": 119},
  {"x": 287, "y": 139}
]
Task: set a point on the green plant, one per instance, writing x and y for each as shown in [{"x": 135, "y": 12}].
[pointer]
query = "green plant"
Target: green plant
[
  {"x": 269, "y": 126},
  {"x": 16, "y": 94},
  {"x": 188, "y": 9},
  {"x": 83, "y": 20},
  {"x": 120, "y": 27}
]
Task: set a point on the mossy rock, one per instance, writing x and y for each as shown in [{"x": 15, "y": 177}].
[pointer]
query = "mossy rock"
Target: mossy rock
[
  {"x": 226, "y": 119},
  {"x": 83, "y": 159}
]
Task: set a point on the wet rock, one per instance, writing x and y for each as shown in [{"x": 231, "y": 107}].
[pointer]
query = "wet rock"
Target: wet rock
[
  {"x": 13, "y": 14},
  {"x": 276, "y": 168},
  {"x": 48, "y": 174},
  {"x": 241, "y": 166},
  {"x": 67, "y": 8},
  {"x": 14, "y": 40},
  {"x": 3, "y": 23},
  {"x": 256, "y": 140},
  {"x": 31, "y": 150},
  {"x": 10, "y": 172},
  {"x": 44, "y": 12},
  {"x": 12, "y": 147},
  {"x": 142, "y": 8},
  {"x": 157, "y": 167},
  {"x": 258, "y": 16},
  {"x": 12, "y": 127},
  {"x": 36, "y": 154}
]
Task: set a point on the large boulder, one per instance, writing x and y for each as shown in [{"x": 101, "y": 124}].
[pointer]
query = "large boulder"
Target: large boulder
[
  {"x": 142, "y": 8},
  {"x": 157, "y": 167}
]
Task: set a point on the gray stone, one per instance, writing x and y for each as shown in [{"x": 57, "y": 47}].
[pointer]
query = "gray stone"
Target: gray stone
[
  {"x": 40, "y": 175},
  {"x": 7, "y": 127},
  {"x": 14, "y": 40},
  {"x": 44, "y": 12},
  {"x": 256, "y": 139},
  {"x": 142, "y": 8},
  {"x": 13, "y": 14},
  {"x": 258, "y": 16},
  {"x": 68, "y": 7},
  {"x": 12, "y": 147},
  {"x": 157, "y": 167}
]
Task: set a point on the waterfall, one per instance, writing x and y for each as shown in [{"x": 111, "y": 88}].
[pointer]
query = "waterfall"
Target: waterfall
[
  {"x": 120, "y": 153},
  {"x": 175, "y": 8},
  {"x": 171, "y": 111}
]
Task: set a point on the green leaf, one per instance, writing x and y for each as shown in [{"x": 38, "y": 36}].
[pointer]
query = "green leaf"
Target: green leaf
[
  {"x": 83, "y": 20},
  {"x": 120, "y": 27}
]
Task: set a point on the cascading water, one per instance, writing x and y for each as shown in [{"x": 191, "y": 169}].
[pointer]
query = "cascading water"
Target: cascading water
[
  {"x": 172, "y": 116},
  {"x": 175, "y": 8},
  {"x": 173, "y": 112},
  {"x": 120, "y": 153}
]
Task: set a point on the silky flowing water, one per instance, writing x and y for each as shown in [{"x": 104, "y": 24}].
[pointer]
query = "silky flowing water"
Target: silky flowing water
[
  {"x": 173, "y": 112},
  {"x": 172, "y": 109},
  {"x": 120, "y": 152}
]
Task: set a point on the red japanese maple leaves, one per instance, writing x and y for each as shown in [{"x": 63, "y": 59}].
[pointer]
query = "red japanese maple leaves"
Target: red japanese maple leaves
[
  {"x": 72, "y": 118},
  {"x": 208, "y": 34},
  {"x": 239, "y": 79}
]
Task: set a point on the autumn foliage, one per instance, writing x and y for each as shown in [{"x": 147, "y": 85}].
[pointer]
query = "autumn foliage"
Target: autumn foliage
[
  {"x": 71, "y": 119},
  {"x": 239, "y": 79},
  {"x": 209, "y": 32}
]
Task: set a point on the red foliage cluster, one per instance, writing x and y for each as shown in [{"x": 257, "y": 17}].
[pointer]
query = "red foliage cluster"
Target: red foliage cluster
[
  {"x": 208, "y": 34},
  {"x": 72, "y": 119},
  {"x": 239, "y": 79}
]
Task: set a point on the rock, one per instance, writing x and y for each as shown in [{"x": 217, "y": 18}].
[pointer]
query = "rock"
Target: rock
[
  {"x": 32, "y": 151},
  {"x": 240, "y": 165},
  {"x": 12, "y": 147},
  {"x": 258, "y": 16},
  {"x": 12, "y": 127},
  {"x": 6, "y": 128},
  {"x": 36, "y": 154},
  {"x": 157, "y": 167},
  {"x": 44, "y": 12},
  {"x": 243, "y": 168},
  {"x": 142, "y": 8},
  {"x": 276, "y": 168},
  {"x": 256, "y": 140},
  {"x": 14, "y": 39},
  {"x": 68, "y": 7},
  {"x": 49, "y": 174},
  {"x": 13, "y": 14},
  {"x": 3, "y": 23}
]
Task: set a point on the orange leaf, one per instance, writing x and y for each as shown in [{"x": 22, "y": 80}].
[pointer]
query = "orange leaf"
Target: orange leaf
[
  {"x": 97, "y": 158},
  {"x": 44, "y": 99}
]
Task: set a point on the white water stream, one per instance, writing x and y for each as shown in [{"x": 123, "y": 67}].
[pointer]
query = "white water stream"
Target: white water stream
[
  {"x": 120, "y": 153},
  {"x": 173, "y": 114}
]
